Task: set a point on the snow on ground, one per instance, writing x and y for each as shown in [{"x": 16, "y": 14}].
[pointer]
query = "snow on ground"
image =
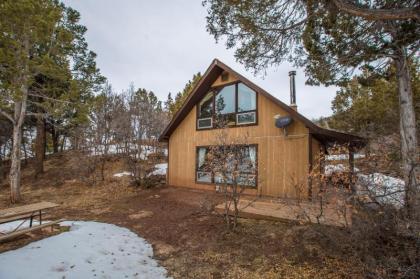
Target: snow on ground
[
  {"x": 21, "y": 224},
  {"x": 160, "y": 169},
  {"x": 385, "y": 189},
  {"x": 88, "y": 250},
  {"x": 115, "y": 149},
  {"x": 124, "y": 173},
  {"x": 338, "y": 157},
  {"x": 330, "y": 169}
]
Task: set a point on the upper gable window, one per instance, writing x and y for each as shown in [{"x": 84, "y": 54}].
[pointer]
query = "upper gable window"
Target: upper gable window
[
  {"x": 225, "y": 100},
  {"x": 205, "y": 108},
  {"x": 230, "y": 105},
  {"x": 247, "y": 99}
]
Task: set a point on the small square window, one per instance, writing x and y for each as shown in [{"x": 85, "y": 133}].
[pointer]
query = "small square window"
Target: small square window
[
  {"x": 246, "y": 118},
  {"x": 205, "y": 123}
]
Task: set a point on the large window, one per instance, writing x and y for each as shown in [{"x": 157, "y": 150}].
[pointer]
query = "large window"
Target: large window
[
  {"x": 206, "y": 106},
  {"x": 247, "y": 99},
  {"x": 225, "y": 100},
  {"x": 227, "y": 164},
  {"x": 205, "y": 111},
  {"x": 231, "y": 105}
]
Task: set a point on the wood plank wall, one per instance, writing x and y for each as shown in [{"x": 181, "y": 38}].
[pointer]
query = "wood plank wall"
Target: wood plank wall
[{"x": 283, "y": 161}]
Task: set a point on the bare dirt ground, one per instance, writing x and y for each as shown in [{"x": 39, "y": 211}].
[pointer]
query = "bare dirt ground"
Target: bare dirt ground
[{"x": 189, "y": 240}]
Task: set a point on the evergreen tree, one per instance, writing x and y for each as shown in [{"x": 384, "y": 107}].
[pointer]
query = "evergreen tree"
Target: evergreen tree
[
  {"x": 182, "y": 96},
  {"x": 169, "y": 102},
  {"x": 368, "y": 105},
  {"x": 331, "y": 39},
  {"x": 44, "y": 62},
  {"x": 20, "y": 62}
]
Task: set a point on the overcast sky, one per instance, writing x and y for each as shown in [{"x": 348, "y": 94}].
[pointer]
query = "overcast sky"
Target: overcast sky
[{"x": 159, "y": 45}]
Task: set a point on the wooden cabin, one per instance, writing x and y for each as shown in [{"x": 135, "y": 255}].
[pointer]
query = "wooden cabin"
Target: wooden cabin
[{"x": 283, "y": 156}]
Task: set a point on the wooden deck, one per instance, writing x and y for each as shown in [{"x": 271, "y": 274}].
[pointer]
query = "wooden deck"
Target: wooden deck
[{"x": 285, "y": 210}]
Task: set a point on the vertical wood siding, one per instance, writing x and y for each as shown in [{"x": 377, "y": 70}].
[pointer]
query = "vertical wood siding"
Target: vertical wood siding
[{"x": 283, "y": 161}]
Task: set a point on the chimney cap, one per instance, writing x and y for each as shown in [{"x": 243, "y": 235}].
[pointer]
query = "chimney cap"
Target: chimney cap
[{"x": 292, "y": 73}]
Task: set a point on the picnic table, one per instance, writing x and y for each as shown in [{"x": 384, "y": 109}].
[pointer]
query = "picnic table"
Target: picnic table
[{"x": 25, "y": 213}]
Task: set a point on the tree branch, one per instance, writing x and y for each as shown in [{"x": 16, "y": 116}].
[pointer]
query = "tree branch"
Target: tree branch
[
  {"x": 414, "y": 51},
  {"x": 378, "y": 14},
  {"x": 8, "y": 116},
  {"x": 287, "y": 28},
  {"x": 44, "y": 115},
  {"x": 48, "y": 98}
]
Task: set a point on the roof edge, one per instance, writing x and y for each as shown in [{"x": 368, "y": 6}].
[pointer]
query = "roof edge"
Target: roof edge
[{"x": 313, "y": 128}]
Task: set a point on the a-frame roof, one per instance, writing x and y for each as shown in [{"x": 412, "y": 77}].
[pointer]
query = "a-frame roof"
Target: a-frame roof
[{"x": 210, "y": 76}]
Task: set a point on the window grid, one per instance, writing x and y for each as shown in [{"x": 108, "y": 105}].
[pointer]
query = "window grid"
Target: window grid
[
  {"x": 214, "y": 91},
  {"x": 213, "y": 175}
]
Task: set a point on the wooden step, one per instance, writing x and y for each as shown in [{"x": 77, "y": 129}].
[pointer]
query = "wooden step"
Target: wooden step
[
  {"x": 27, "y": 230},
  {"x": 303, "y": 212}
]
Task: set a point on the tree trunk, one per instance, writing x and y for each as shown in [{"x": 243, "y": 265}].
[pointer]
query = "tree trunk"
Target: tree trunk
[
  {"x": 408, "y": 137},
  {"x": 63, "y": 143},
  {"x": 39, "y": 145},
  {"x": 25, "y": 153},
  {"x": 55, "y": 135},
  {"x": 1, "y": 168},
  {"x": 15, "y": 165}
]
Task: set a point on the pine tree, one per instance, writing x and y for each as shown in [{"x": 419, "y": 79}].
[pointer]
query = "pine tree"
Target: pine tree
[
  {"x": 169, "y": 102},
  {"x": 182, "y": 96},
  {"x": 331, "y": 40},
  {"x": 368, "y": 105},
  {"x": 38, "y": 43}
]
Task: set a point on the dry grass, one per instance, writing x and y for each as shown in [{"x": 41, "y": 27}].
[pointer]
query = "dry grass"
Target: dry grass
[{"x": 188, "y": 239}]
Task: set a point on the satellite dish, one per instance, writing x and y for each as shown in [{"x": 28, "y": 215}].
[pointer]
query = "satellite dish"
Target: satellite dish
[{"x": 283, "y": 122}]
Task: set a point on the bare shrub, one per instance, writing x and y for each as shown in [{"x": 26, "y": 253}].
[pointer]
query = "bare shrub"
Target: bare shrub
[
  {"x": 379, "y": 234},
  {"x": 232, "y": 163}
]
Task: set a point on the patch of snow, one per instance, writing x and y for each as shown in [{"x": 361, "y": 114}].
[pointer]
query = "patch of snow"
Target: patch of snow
[
  {"x": 20, "y": 224},
  {"x": 384, "y": 189},
  {"x": 100, "y": 149},
  {"x": 88, "y": 250},
  {"x": 146, "y": 150},
  {"x": 339, "y": 157},
  {"x": 160, "y": 169},
  {"x": 330, "y": 169},
  {"x": 124, "y": 173}
]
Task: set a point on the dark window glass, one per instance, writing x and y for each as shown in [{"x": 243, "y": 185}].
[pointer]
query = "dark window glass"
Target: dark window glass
[
  {"x": 205, "y": 108},
  {"x": 205, "y": 123},
  {"x": 223, "y": 120},
  {"x": 225, "y": 100},
  {"x": 203, "y": 167},
  {"x": 234, "y": 104},
  {"x": 247, "y": 98},
  {"x": 248, "y": 160}
]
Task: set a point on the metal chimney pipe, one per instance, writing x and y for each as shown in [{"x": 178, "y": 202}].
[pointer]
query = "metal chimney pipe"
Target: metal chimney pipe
[{"x": 292, "y": 75}]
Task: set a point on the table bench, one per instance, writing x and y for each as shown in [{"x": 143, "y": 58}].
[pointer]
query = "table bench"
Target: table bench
[{"x": 25, "y": 212}]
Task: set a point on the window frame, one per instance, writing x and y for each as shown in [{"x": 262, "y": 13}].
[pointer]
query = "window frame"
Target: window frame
[
  {"x": 215, "y": 90},
  {"x": 197, "y": 148},
  {"x": 205, "y": 118}
]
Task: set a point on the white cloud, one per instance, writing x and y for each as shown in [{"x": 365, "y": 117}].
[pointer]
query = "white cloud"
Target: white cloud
[{"x": 159, "y": 45}]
